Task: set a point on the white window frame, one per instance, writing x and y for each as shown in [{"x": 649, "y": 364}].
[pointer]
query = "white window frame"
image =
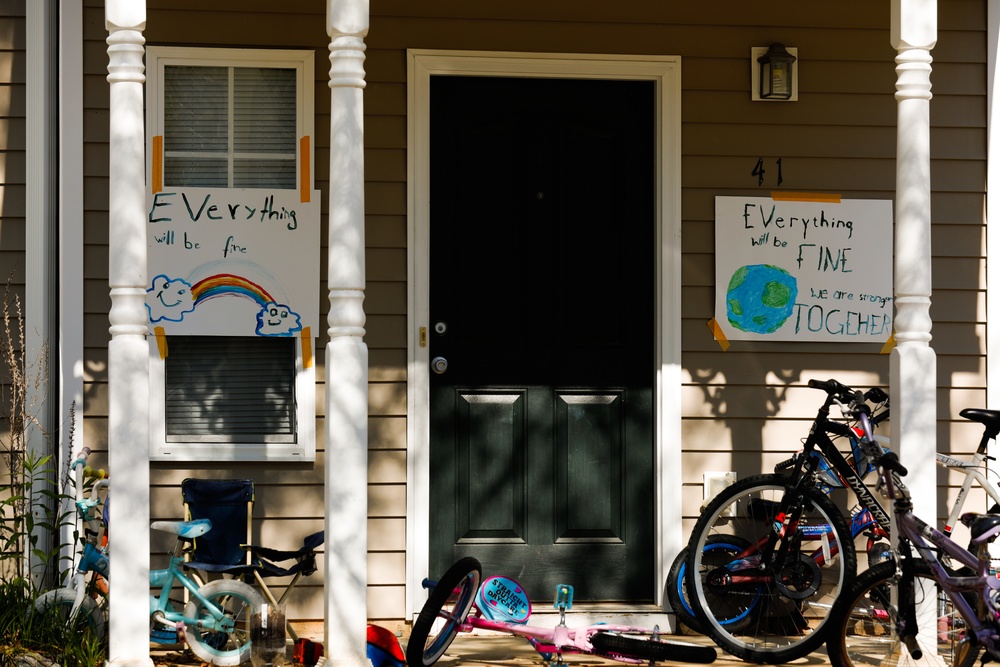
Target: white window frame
[{"x": 304, "y": 447}]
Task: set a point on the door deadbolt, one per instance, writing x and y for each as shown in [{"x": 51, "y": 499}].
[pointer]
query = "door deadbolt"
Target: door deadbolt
[
  {"x": 440, "y": 328},
  {"x": 439, "y": 365}
]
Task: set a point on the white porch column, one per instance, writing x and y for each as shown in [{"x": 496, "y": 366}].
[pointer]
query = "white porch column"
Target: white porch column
[
  {"x": 913, "y": 364},
  {"x": 128, "y": 391},
  {"x": 345, "y": 588}
]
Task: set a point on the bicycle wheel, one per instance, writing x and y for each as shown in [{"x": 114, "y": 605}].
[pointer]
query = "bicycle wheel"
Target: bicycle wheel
[
  {"x": 60, "y": 601},
  {"x": 643, "y": 648},
  {"x": 865, "y": 629},
  {"x": 789, "y": 601},
  {"x": 723, "y": 548},
  {"x": 443, "y": 613},
  {"x": 229, "y": 645}
]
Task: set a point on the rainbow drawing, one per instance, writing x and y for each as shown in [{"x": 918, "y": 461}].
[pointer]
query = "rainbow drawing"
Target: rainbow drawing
[{"x": 227, "y": 284}]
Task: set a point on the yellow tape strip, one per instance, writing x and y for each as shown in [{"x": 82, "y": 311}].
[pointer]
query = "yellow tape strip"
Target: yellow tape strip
[
  {"x": 161, "y": 341},
  {"x": 304, "y": 162},
  {"x": 157, "y": 164},
  {"x": 889, "y": 344},
  {"x": 806, "y": 196},
  {"x": 307, "y": 350},
  {"x": 720, "y": 337}
]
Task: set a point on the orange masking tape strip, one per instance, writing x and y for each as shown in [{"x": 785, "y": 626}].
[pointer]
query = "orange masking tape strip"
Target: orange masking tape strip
[
  {"x": 157, "y": 164},
  {"x": 161, "y": 341},
  {"x": 806, "y": 196},
  {"x": 307, "y": 350},
  {"x": 304, "y": 162},
  {"x": 889, "y": 344},
  {"x": 720, "y": 337}
]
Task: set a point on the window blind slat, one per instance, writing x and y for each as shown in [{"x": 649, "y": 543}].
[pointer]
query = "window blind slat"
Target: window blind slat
[{"x": 230, "y": 388}]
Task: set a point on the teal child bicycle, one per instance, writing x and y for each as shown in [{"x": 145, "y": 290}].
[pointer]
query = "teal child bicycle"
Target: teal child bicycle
[{"x": 215, "y": 621}]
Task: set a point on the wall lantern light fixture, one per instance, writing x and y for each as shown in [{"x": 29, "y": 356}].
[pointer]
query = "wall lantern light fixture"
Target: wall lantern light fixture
[{"x": 774, "y": 76}]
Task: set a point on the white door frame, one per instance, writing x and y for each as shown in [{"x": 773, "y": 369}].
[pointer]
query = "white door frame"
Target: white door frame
[{"x": 666, "y": 72}]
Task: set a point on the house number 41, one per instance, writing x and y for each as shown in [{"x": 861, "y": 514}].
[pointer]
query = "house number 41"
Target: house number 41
[{"x": 758, "y": 171}]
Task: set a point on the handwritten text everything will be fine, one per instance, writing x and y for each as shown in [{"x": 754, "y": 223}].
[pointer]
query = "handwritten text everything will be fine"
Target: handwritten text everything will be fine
[{"x": 237, "y": 211}]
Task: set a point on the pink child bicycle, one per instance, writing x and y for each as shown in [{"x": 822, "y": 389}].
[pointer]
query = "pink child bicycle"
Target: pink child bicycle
[{"x": 461, "y": 601}]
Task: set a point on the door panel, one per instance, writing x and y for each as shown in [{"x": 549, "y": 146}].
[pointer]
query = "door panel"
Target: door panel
[{"x": 542, "y": 283}]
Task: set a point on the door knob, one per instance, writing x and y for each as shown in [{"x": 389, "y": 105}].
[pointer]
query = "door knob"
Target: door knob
[{"x": 439, "y": 365}]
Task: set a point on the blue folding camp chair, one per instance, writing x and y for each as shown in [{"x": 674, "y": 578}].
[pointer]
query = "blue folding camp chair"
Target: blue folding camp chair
[{"x": 226, "y": 549}]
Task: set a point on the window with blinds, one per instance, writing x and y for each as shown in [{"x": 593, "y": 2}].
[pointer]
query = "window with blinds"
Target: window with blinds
[
  {"x": 229, "y": 127},
  {"x": 231, "y": 118},
  {"x": 230, "y": 389}
]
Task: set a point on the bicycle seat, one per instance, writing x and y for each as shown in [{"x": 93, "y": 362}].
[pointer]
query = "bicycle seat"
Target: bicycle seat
[
  {"x": 988, "y": 418},
  {"x": 184, "y": 529},
  {"x": 982, "y": 527}
]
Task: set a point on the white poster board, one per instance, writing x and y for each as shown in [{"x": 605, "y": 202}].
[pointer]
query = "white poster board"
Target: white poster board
[
  {"x": 233, "y": 262},
  {"x": 800, "y": 270}
]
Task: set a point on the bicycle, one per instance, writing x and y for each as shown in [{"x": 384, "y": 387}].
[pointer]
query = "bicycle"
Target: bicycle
[
  {"x": 215, "y": 621},
  {"x": 462, "y": 601},
  {"x": 78, "y": 601},
  {"x": 800, "y": 554},
  {"x": 862, "y": 523},
  {"x": 873, "y": 624}
]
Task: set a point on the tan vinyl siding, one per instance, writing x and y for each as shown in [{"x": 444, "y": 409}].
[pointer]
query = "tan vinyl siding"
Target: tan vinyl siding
[{"x": 743, "y": 410}]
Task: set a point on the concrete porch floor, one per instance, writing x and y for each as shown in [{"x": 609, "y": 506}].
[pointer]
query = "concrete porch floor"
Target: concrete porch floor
[
  {"x": 482, "y": 651},
  {"x": 499, "y": 651}
]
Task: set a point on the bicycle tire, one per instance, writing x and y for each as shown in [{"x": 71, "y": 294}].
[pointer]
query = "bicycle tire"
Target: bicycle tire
[
  {"x": 624, "y": 646},
  {"x": 862, "y": 633},
  {"x": 677, "y": 585},
  {"x": 239, "y": 602},
  {"x": 453, "y": 595},
  {"x": 61, "y": 601},
  {"x": 793, "y": 605}
]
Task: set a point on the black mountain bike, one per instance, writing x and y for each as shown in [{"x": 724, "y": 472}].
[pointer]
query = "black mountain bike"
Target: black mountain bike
[{"x": 770, "y": 601}]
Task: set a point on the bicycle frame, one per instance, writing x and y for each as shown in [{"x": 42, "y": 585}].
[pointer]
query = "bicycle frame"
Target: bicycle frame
[
  {"x": 96, "y": 559},
  {"x": 549, "y": 642},
  {"x": 174, "y": 573},
  {"x": 806, "y": 466},
  {"x": 779, "y": 542},
  {"x": 929, "y": 542},
  {"x": 973, "y": 473},
  {"x": 555, "y": 641}
]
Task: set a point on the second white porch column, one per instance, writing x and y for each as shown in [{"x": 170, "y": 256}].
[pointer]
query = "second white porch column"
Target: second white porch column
[
  {"x": 128, "y": 354},
  {"x": 913, "y": 364},
  {"x": 345, "y": 589}
]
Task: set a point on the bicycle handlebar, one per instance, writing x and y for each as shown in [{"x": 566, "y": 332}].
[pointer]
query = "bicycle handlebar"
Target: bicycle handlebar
[
  {"x": 890, "y": 461},
  {"x": 81, "y": 458}
]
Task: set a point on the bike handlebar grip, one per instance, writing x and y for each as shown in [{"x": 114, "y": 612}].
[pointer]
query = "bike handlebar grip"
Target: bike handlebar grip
[
  {"x": 911, "y": 645},
  {"x": 891, "y": 461},
  {"x": 428, "y": 584},
  {"x": 81, "y": 457},
  {"x": 831, "y": 386},
  {"x": 877, "y": 395}
]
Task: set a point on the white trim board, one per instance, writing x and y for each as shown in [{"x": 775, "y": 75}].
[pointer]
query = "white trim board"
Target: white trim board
[{"x": 666, "y": 72}]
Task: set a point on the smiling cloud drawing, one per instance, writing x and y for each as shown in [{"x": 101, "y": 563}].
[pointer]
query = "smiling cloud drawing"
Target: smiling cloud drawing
[
  {"x": 277, "y": 319},
  {"x": 169, "y": 299}
]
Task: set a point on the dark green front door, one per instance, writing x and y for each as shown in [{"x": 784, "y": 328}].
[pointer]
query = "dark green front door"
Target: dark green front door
[{"x": 542, "y": 305}]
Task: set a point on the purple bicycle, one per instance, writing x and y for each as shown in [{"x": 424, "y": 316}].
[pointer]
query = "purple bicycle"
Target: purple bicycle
[{"x": 871, "y": 625}]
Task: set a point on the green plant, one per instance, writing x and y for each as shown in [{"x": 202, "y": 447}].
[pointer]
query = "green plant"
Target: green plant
[
  {"x": 46, "y": 636},
  {"x": 31, "y": 515},
  {"x": 27, "y": 506}
]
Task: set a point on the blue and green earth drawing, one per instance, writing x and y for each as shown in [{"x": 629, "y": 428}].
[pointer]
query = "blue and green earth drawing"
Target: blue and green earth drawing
[{"x": 760, "y": 298}]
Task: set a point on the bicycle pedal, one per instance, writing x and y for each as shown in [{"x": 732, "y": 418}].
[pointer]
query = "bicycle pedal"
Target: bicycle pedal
[{"x": 163, "y": 635}]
